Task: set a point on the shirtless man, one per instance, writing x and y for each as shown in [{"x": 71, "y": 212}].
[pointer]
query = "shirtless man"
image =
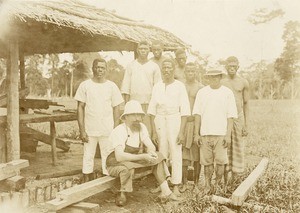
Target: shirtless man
[
  {"x": 190, "y": 149},
  {"x": 240, "y": 89},
  {"x": 157, "y": 49}
]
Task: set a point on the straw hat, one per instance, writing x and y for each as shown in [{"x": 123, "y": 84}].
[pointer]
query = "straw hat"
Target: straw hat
[
  {"x": 214, "y": 72},
  {"x": 132, "y": 107}
]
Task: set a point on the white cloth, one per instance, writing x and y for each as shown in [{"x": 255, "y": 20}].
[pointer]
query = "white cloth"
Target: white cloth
[
  {"x": 169, "y": 100},
  {"x": 100, "y": 98},
  {"x": 89, "y": 154},
  {"x": 214, "y": 106},
  {"x": 167, "y": 128},
  {"x": 122, "y": 133},
  {"x": 139, "y": 80}
]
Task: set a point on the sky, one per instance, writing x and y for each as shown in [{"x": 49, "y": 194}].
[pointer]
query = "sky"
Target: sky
[{"x": 214, "y": 28}]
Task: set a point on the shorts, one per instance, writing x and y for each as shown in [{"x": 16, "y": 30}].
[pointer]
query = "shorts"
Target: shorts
[{"x": 212, "y": 150}]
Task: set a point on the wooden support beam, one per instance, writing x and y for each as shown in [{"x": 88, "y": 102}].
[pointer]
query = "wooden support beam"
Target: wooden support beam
[
  {"x": 241, "y": 193},
  {"x": 15, "y": 183},
  {"x": 45, "y": 138},
  {"x": 53, "y": 143},
  {"x": 13, "y": 137},
  {"x": 58, "y": 174},
  {"x": 22, "y": 68},
  {"x": 2, "y": 145},
  {"x": 12, "y": 168},
  {"x": 80, "y": 192}
]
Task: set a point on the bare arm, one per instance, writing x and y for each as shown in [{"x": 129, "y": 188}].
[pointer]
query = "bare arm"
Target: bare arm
[
  {"x": 246, "y": 97},
  {"x": 180, "y": 138},
  {"x": 126, "y": 97},
  {"x": 154, "y": 136},
  {"x": 80, "y": 119},
  {"x": 125, "y": 156},
  {"x": 197, "y": 124},
  {"x": 227, "y": 138},
  {"x": 116, "y": 114}
]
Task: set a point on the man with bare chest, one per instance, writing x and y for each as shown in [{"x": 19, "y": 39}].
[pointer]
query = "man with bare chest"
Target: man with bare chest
[
  {"x": 190, "y": 148},
  {"x": 240, "y": 89}
]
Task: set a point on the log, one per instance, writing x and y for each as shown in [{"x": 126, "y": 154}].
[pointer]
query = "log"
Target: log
[
  {"x": 227, "y": 201},
  {"x": 2, "y": 145},
  {"x": 45, "y": 138},
  {"x": 58, "y": 174},
  {"x": 12, "y": 122},
  {"x": 82, "y": 207},
  {"x": 12, "y": 168},
  {"x": 80, "y": 192},
  {"x": 241, "y": 193}
]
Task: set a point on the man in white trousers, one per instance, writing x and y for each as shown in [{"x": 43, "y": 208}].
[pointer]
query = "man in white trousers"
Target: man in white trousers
[
  {"x": 169, "y": 107},
  {"x": 98, "y": 113}
]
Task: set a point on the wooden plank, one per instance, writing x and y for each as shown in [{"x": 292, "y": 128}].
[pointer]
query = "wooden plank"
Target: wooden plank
[
  {"x": 241, "y": 193},
  {"x": 12, "y": 133},
  {"x": 45, "y": 138},
  {"x": 2, "y": 145},
  {"x": 53, "y": 143},
  {"x": 58, "y": 174},
  {"x": 81, "y": 207},
  {"x": 83, "y": 191},
  {"x": 11, "y": 169}
]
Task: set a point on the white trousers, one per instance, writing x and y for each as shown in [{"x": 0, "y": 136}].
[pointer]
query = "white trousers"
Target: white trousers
[
  {"x": 89, "y": 151},
  {"x": 167, "y": 128}
]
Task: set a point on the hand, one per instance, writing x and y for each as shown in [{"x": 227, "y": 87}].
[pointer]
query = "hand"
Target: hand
[
  {"x": 153, "y": 154},
  {"x": 197, "y": 140},
  {"x": 244, "y": 131},
  {"x": 149, "y": 158},
  {"x": 84, "y": 137},
  {"x": 180, "y": 138},
  {"x": 154, "y": 138},
  {"x": 226, "y": 141}
]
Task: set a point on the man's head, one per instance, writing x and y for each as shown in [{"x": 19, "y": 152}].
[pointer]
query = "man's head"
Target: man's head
[
  {"x": 232, "y": 65},
  {"x": 180, "y": 57},
  {"x": 99, "y": 68},
  {"x": 167, "y": 70},
  {"x": 190, "y": 71},
  {"x": 143, "y": 49},
  {"x": 133, "y": 114},
  {"x": 157, "y": 49},
  {"x": 214, "y": 78}
]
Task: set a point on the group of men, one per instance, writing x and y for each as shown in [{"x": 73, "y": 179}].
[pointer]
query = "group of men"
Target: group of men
[{"x": 170, "y": 122}]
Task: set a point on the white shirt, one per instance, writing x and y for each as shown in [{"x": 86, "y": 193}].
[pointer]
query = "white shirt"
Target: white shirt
[
  {"x": 99, "y": 99},
  {"x": 169, "y": 99},
  {"x": 122, "y": 133},
  {"x": 214, "y": 106},
  {"x": 139, "y": 80}
]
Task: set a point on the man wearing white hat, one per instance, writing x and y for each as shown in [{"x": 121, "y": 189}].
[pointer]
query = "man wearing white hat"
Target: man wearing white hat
[
  {"x": 126, "y": 153},
  {"x": 214, "y": 110}
]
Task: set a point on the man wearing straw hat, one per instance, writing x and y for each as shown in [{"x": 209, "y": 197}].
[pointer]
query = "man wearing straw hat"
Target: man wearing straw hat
[
  {"x": 125, "y": 154},
  {"x": 240, "y": 89},
  {"x": 214, "y": 110},
  {"x": 98, "y": 113},
  {"x": 169, "y": 108}
]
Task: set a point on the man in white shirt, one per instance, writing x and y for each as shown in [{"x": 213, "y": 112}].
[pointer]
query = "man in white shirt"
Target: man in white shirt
[
  {"x": 214, "y": 111},
  {"x": 125, "y": 153},
  {"x": 98, "y": 113},
  {"x": 169, "y": 107},
  {"x": 139, "y": 79}
]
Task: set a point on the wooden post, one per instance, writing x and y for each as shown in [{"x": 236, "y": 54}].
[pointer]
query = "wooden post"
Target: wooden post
[
  {"x": 22, "y": 68},
  {"x": 53, "y": 142},
  {"x": 13, "y": 137}
]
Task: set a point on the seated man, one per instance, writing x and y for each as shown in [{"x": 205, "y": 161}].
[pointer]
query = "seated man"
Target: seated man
[{"x": 126, "y": 153}]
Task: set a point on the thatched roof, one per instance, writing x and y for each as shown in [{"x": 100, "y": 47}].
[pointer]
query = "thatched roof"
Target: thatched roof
[{"x": 53, "y": 26}]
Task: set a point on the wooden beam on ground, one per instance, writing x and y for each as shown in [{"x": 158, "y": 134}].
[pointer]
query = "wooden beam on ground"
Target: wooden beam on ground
[
  {"x": 241, "y": 193},
  {"x": 227, "y": 201},
  {"x": 12, "y": 168},
  {"x": 12, "y": 135},
  {"x": 80, "y": 192},
  {"x": 82, "y": 207},
  {"x": 45, "y": 138}
]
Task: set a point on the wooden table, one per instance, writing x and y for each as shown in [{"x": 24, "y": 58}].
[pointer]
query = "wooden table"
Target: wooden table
[{"x": 48, "y": 139}]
